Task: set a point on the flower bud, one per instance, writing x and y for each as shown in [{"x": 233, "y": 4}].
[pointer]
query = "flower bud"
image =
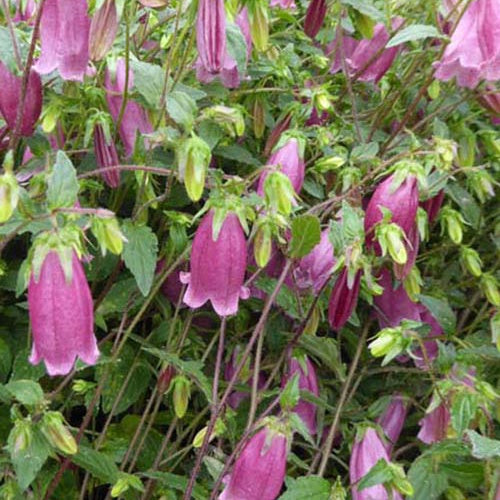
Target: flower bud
[
  {"x": 230, "y": 119},
  {"x": 103, "y": 28},
  {"x": 259, "y": 24},
  {"x": 164, "y": 378},
  {"x": 490, "y": 288},
  {"x": 9, "y": 196},
  {"x": 412, "y": 284},
  {"x": 482, "y": 183},
  {"x": 193, "y": 157},
  {"x": 391, "y": 238},
  {"x": 452, "y": 221},
  {"x": 393, "y": 419},
  {"x": 343, "y": 299},
  {"x": 106, "y": 156},
  {"x": 466, "y": 149},
  {"x": 389, "y": 342},
  {"x": 57, "y": 434},
  {"x": 471, "y": 261},
  {"x": 20, "y": 436},
  {"x": 446, "y": 150},
  {"x": 262, "y": 245},
  {"x": 124, "y": 483},
  {"x": 181, "y": 395},
  {"x": 434, "y": 426},
  {"x": 259, "y": 122},
  {"x": 279, "y": 192},
  {"x": 315, "y": 16},
  {"x": 108, "y": 234}
]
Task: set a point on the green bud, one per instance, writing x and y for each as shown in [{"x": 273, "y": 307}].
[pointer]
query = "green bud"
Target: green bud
[
  {"x": 487, "y": 390},
  {"x": 495, "y": 329},
  {"x": 452, "y": 221},
  {"x": 471, "y": 261},
  {"x": 389, "y": 342},
  {"x": 445, "y": 150},
  {"x": 82, "y": 386},
  {"x": 338, "y": 492},
  {"x": 434, "y": 89},
  {"x": 482, "y": 183},
  {"x": 57, "y": 433},
  {"x": 193, "y": 157},
  {"x": 259, "y": 123},
  {"x": 466, "y": 149},
  {"x": 279, "y": 192},
  {"x": 20, "y": 436},
  {"x": 391, "y": 238},
  {"x": 108, "y": 234},
  {"x": 490, "y": 288},
  {"x": 329, "y": 163},
  {"x": 9, "y": 196},
  {"x": 49, "y": 119},
  {"x": 413, "y": 283},
  {"x": 322, "y": 101},
  {"x": 259, "y": 24},
  {"x": 231, "y": 119},
  {"x": 181, "y": 395},
  {"x": 312, "y": 325},
  {"x": 422, "y": 223},
  {"x": 200, "y": 437},
  {"x": 262, "y": 245},
  {"x": 453, "y": 493},
  {"x": 124, "y": 483}
]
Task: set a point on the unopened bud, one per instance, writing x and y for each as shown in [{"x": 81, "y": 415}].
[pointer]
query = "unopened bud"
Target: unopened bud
[
  {"x": 103, "y": 30},
  {"x": 466, "y": 149},
  {"x": 57, "y": 433},
  {"x": 124, "y": 483},
  {"x": 9, "y": 196},
  {"x": 482, "y": 183},
  {"x": 385, "y": 341},
  {"x": 322, "y": 101},
  {"x": 329, "y": 163},
  {"x": 259, "y": 123},
  {"x": 181, "y": 395},
  {"x": 471, "y": 261},
  {"x": 434, "y": 89},
  {"x": 490, "y": 288},
  {"x": 108, "y": 234},
  {"x": 279, "y": 192},
  {"x": 231, "y": 119},
  {"x": 20, "y": 436},
  {"x": 193, "y": 158},
  {"x": 452, "y": 221},
  {"x": 412, "y": 283},
  {"x": 391, "y": 238},
  {"x": 164, "y": 378},
  {"x": 445, "y": 150},
  {"x": 82, "y": 386},
  {"x": 312, "y": 325},
  {"x": 262, "y": 245},
  {"x": 259, "y": 24}
]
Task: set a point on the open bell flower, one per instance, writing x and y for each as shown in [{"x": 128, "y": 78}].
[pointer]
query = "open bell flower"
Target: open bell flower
[
  {"x": 62, "y": 317},
  {"x": 64, "y": 35},
  {"x": 473, "y": 53},
  {"x": 9, "y": 99},
  {"x": 343, "y": 299},
  {"x": 434, "y": 426},
  {"x": 259, "y": 471},
  {"x": 217, "y": 267}
]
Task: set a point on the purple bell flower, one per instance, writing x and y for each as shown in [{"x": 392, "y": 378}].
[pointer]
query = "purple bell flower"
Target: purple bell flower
[
  {"x": 62, "y": 317},
  {"x": 284, "y": 4},
  {"x": 434, "y": 426},
  {"x": 106, "y": 156},
  {"x": 393, "y": 419},
  {"x": 315, "y": 17},
  {"x": 103, "y": 29},
  {"x": 343, "y": 299},
  {"x": 217, "y": 267},
  {"x": 433, "y": 205}
]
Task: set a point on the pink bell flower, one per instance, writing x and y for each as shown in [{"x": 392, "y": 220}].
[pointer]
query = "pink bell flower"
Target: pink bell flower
[
  {"x": 217, "y": 266},
  {"x": 9, "y": 100},
  {"x": 393, "y": 419},
  {"x": 473, "y": 53},
  {"x": 103, "y": 29},
  {"x": 259, "y": 471},
  {"x": 106, "y": 156},
  {"x": 135, "y": 119},
  {"x": 284, "y": 4},
  {"x": 64, "y": 35},
  {"x": 62, "y": 317},
  {"x": 24, "y": 11},
  {"x": 434, "y": 426},
  {"x": 343, "y": 299},
  {"x": 315, "y": 16},
  {"x": 433, "y": 205}
]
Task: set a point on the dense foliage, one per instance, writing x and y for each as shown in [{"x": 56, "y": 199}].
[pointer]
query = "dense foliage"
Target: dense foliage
[{"x": 249, "y": 249}]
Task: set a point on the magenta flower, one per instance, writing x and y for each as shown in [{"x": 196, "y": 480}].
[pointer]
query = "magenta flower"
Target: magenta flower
[
  {"x": 433, "y": 205},
  {"x": 135, "y": 119},
  {"x": 402, "y": 202},
  {"x": 346, "y": 45},
  {"x": 307, "y": 382},
  {"x": 434, "y": 426},
  {"x": 343, "y": 299},
  {"x": 259, "y": 471},
  {"x": 62, "y": 317},
  {"x": 313, "y": 270},
  {"x": 9, "y": 99},
  {"x": 172, "y": 286},
  {"x": 64, "y": 35},
  {"x": 243, "y": 22},
  {"x": 289, "y": 159},
  {"x": 217, "y": 267},
  {"x": 103, "y": 29},
  {"x": 367, "y": 450},
  {"x": 393, "y": 419},
  {"x": 24, "y": 10},
  {"x": 213, "y": 58},
  {"x": 106, "y": 156},
  {"x": 315, "y": 16},
  {"x": 474, "y": 50},
  {"x": 284, "y": 4}
]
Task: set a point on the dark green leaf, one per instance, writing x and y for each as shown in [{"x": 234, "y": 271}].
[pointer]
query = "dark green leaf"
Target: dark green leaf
[
  {"x": 366, "y": 7},
  {"x": 463, "y": 410},
  {"x": 97, "y": 463},
  {"x": 178, "y": 483},
  {"x": 427, "y": 483},
  {"x": 148, "y": 80},
  {"x": 26, "y": 392},
  {"x": 62, "y": 184},
  {"x": 441, "y": 310},
  {"x": 182, "y": 108},
  {"x": 466, "y": 203},
  {"x": 380, "y": 473},
  {"x": 307, "y": 488},
  {"x": 306, "y": 234}
]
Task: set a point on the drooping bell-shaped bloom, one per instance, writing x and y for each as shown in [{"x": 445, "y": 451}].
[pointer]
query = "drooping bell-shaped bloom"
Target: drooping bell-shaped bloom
[
  {"x": 393, "y": 419},
  {"x": 135, "y": 119},
  {"x": 213, "y": 57},
  {"x": 62, "y": 317},
  {"x": 434, "y": 426},
  {"x": 24, "y": 11},
  {"x": 284, "y": 4},
  {"x": 393, "y": 305},
  {"x": 367, "y": 450},
  {"x": 307, "y": 382},
  {"x": 259, "y": 471},
  {"x": 64, "y": 35},
  {"x": 402, "y": 203},
  {"x": 433, "y": 205},
  {"x": 217, "y": 268},
  {"x": 473, "y": 53},
  {"x": 342, "y": 45},
  {"x": 103, "y": 29},
  {"x": 289, "y": 159},
  {"x": 343, "y": 299},
  {"x": 106, "y": 156},
  {"x": 315, "y": 16},
  {"x": 9, "y": 99},
  {"x": 313, "y": 270}
]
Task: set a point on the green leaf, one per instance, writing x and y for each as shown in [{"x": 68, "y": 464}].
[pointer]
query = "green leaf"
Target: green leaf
[
  {"x": 468, "y": 206},
  {"x": 427, "y": 483},
  {"x": 414, "y": 32},
  {"x": 467, "y": 475},
  {"x": 285, "y": 299},
  {"x": 307, "y": 488},
  {"x": 27, "y": 392},
  {"x": 306, "y": 234},
  {"x": 463, "y": 410},
  {"x": 7, "y": 55},
  {"x": 148, "y": 81},
  {"x": 97, "y": 463},
  {"x": 62, "y": 184},
  {"x": 178, "y": 483},
  {"x": 182, "y": 108},
  {"x": 5, "y": 359},
  {"x": 237, "y": 153},
  {"x": 482, "y": 447},
  {"x": 441, "y": 310},
  {"x": 140, "y": 254},
  {"x": 365, "y": 7},
  {"x": 364, "y": 152},
  {"x": 237, "y": 46},
  {"x": 380, "y": 473},
  {"x": 290, "y": 395},
  {"x": 326, "y": 350}
]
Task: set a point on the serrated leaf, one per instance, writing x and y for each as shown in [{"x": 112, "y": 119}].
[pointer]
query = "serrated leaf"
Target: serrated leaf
[
  {"x": 307, "y": 488},
  {"x": 27, "y": 392},
  {"x": 140, "y": 254},
  {"x": 414, "y": 32},
  {"x": 463, "y": 410},
  {"x": 182, "y": 108},
  {"x": 62, "y": 184},
  {"x": 285, "y": 299},
  {"x": 97, "y": 463},
  {"x": 365, "y": 152},
  {"x": 306, "y": 234},
  {"x": 380, "y": 473},
  {"x": 441, "y": 310},
  {"x": 427, "y": 483},
  {"x": 483, "y": 448}
]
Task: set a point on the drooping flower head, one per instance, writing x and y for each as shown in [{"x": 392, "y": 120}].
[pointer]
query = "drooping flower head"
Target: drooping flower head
[
  {"x": 135, "y": 119},
  {"x": 315, "y": 16},
  {"x": 9, "y": 100},
  {"x": 473, "y": 53},
  {"x": 24, "y": 11},
  {"x": 284, "y": 4},
  {"x": 64, "y": 34},
  {"x": 434, "y": 426},
  {"x": 343, "y": 299},
  {"x": 103, "y": 29},
  {"x": 393, "y": 419},
  {"x": 61, "y": 315},
  {"x": 106, "y": 156},
  {"x": 217, "y": 266},
  {"x": 259, "y": 471}
]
